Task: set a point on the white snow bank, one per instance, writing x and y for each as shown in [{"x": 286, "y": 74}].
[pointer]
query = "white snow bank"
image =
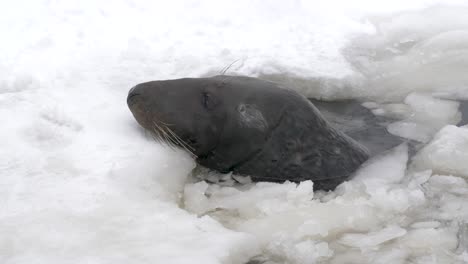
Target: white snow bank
[
  {"x": 81, "y": 184},
  {"x": 120, "y": 231}
]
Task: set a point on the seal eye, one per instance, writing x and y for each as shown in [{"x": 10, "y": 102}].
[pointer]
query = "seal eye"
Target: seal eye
[{"x": 208, "y": 101}]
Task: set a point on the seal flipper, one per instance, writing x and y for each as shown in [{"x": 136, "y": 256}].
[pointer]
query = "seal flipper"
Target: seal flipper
[{"x": 359, "y": 123}]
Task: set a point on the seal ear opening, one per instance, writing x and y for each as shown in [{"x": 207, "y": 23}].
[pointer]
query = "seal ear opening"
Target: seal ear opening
[{"x": 250, "y": 116}]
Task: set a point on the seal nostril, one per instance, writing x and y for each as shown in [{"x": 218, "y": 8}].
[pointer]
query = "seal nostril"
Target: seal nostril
[
  {"x": 132, "y": 95},
  {"x": 132, "y": 91}
]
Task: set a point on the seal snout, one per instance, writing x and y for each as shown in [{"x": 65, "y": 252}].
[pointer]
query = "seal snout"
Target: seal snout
[{"x": 136, "y": 105}]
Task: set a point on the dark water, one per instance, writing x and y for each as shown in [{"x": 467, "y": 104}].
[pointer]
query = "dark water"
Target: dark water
[{"x": 358, "y": 122}]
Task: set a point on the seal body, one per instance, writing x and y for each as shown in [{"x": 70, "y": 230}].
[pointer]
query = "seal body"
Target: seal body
[{"x": 248, "y": 126}]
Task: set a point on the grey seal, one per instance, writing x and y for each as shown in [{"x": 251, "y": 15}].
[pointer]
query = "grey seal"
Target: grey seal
[{"x": 247, "y": 126}]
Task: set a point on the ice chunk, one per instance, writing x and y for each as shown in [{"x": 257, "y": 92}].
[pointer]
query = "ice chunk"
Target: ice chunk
[
  {"x": 307, "y": 252},
  {"x": 427, "y": 224},
  {"x": 411, "y": 130},
  {"x": 447, "y": 153},
  {"x": 384, "y": 169},
  {"x": 427, "y": 115},
  {"x": 372, "y": 239},
  {"x": 408, "y": 53},
  {"x": 423, "y": 240}
]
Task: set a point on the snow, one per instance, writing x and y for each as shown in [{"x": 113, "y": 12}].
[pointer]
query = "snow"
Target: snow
[{"x": 80, "y": 182}]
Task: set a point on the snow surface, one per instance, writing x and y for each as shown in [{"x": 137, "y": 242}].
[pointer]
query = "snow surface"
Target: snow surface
[{"x": 80, "y": 182}]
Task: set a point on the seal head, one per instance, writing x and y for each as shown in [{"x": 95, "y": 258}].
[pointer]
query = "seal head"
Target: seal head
[{"x": 248, "y": 126}]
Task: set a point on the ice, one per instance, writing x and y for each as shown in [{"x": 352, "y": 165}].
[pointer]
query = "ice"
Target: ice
[
  {"x": 290, "y": 215},
  {"x": 386, "y": 204},
  {"x": 80, "y": 182},
  {"x": 408, "y": 48},
  {"x": 426, "y": 116},
  {"x": 428, "y": 224},
  {"x": 384, "y": 169},
  {"x": 372, "y": 239},
  {"x": 462, "y": 237},
  {"x": 423, "y": 240},
  {"x": 446, "y": 153}
]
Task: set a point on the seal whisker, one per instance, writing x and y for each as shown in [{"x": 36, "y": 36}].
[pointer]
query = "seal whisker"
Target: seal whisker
[
  {"x": 166, "y": 124},
  {"x": 155, "y": 134},
  {"x": 181, "y": 142},
  {"x": 159, "y": 137},
  {"x": 162, "y": 135},
  {"x": 176, "y": 139},
  {"x": 223, "y": 81},
  {"x": 168, "y": 138},
  {"x": 225, "y": 69},
  {"x": 171, "y": 141}
]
